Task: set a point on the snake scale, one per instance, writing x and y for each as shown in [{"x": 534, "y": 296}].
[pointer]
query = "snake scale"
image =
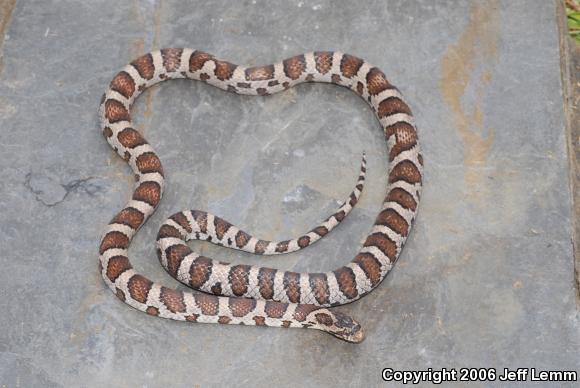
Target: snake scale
[{"x": 243, "y": 294}]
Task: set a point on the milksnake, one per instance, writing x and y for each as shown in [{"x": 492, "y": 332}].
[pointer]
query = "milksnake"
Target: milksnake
[{"x": 243, "y": 294}]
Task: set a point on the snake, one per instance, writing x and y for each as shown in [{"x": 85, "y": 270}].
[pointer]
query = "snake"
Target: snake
[{"x": 244, "y": 294}]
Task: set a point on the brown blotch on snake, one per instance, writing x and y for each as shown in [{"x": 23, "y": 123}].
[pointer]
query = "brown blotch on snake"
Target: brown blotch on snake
[
  {"x": 349, "y": 65},
  {"x": 149, "y": 192},
  {"x": 238, "y": 278},
  {"x": 403, "y": 198},
  {"x": 282, "y": 246},
  {"x": 171, "y": 58},
  {"x": 370, "y": 265},
  {"x": 116, "y": 111},
  {"x": 144, "y": 66},
  {"x": 148, "y": 163},
  {"x": 117, "y": 265},
  {"x": 114, "y": 240},
  {"x": 303, "y": 241},
  {"x": 130, "y": 217},
  {"x": 130, "y": 138},
  {"x": 340, "y": 215},
  {"x": 260, "y": 321},
  {"x": 292, "y": 286},
  {"x": 406, "y": 171},
  {"x": 261, "y": 247},
  {"x": 173, "y": 300},
  {"x": 201, "y": 219},
  {"x": 241, "y": 306},
  {"x": 107, "y": 132},
  {"x": 391, "y": 106},
  {"x": 216, "y": 289},
  {"x": 275, "y": 309},
  {"x": 224, "y": 70},
  {"x": 319, "y": 284},
  {"x": 393, "y": 220},
  {"x": 377, "y": 82},
  {"x": 302, "y": 311},
  {"x": 324, "y": 319},
  {"x": 221, "y": 227},
  {"x": 242, "y": 239},
  {"x": 123, "y": 84},
  {"x": 320, "y": 230},
  {"x": 260, "y": 73},
  {"x": 169, "y": 231},
  {"x": 152, "y": 311},
  {"x": 346, "y": 282},
  {"x": 323, "y": 61},
  {"x": 139, "y": 287},
  {"x": 181, "y": 220},
  {"x": 197, "y": 60},
  {"x": 175, "y": 255},
  {"x": 200, "y": 271},
  {"x": 406, "y": 140},
  {"x": 120, "y": 294},
  {"x": 209, "y": 304},
  {"x": 294, "y": 67},
  {"x": 384, "y": 243},
  {"x": 266, "y": 282}
]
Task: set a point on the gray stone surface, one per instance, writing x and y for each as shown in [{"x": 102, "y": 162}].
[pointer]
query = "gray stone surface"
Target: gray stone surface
[{"x": 486, "y": 279}]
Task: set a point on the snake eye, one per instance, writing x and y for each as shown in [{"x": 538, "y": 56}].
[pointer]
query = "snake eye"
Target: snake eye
[{"x": 343, "y": 320}]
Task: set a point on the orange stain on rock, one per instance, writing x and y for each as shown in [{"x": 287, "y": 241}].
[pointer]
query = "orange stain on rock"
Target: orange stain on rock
[
  {"x": 467, "y": 65},
  {"x": 6, "y": 10}
]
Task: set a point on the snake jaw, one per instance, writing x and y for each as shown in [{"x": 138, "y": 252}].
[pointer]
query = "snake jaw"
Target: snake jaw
[
  {"x": 338, "y": 324},
  {"x": 353, "y": 335},
  {"x": 356, "y": 335}
]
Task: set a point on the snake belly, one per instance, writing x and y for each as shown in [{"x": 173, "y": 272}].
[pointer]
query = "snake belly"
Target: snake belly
[{"x": 243, "y": 294}]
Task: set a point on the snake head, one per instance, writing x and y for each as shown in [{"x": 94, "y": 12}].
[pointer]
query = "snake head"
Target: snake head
[{"x": 338, "y": 324}]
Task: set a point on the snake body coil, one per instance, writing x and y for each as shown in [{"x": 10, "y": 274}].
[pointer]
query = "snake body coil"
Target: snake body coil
[{"x": 243, "y": 294}]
